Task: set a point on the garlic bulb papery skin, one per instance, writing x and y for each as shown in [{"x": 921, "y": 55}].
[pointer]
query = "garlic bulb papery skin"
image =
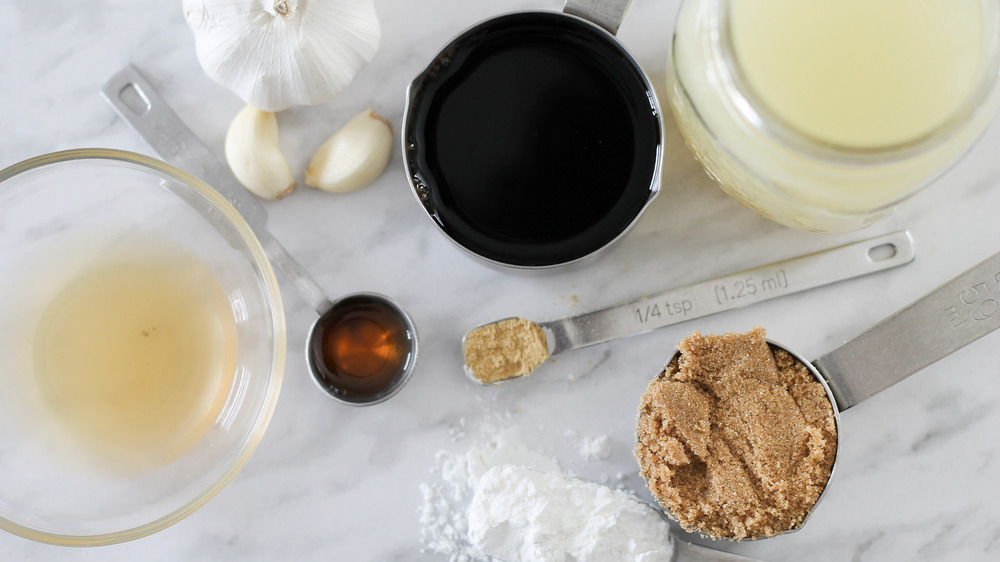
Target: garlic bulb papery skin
[
  {"x": 353, "y": 156},
  {"x": 278, "y": 53},
  {"x": 254, "y": 156}
]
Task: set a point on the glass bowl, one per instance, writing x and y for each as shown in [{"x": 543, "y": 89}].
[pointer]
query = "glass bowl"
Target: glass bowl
[{"x": 142, "y": 346}]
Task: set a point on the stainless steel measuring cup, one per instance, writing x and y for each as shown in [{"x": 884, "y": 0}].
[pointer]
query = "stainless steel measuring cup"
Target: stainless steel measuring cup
[
  {"x": 941, "y": 322},
  {"x": 138, "y": 103},
  {"x": 533, "y": 140}
]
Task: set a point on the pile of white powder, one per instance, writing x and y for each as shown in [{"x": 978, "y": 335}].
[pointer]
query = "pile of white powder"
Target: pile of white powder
[
  {"x": 503, "y": 501},
  {"x": 522, "y": 514}
]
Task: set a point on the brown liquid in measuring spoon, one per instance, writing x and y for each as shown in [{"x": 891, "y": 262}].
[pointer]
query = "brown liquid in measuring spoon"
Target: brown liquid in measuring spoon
[{"x": 361, "y": 348}]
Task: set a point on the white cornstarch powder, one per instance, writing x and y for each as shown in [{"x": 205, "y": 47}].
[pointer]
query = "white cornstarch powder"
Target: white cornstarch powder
[
  {"x": 444, "y": 512},
  {"x": 520, "y": 514},
  {"x": 596, "y": 448},
  {"x": 502, "y": 501}
]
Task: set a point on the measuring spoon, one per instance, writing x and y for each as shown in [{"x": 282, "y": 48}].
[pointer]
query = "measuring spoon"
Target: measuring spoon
[
  {"x": 363, "y": 384},
  {"x": 941, "y": 322},
  {"x": 716, "y": 295}
]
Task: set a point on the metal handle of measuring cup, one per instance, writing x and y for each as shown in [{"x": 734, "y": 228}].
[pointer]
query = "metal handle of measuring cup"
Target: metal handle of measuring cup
[
  {"x": 605, "y": 13},
  {"x": 938, "y": 324},
  {"x": 167, "y": 134}
]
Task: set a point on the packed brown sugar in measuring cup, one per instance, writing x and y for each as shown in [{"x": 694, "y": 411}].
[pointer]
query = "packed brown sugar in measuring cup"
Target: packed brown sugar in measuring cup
[
  {"x": 736, "y": 439},
  {"x": 505, "y": 350}
]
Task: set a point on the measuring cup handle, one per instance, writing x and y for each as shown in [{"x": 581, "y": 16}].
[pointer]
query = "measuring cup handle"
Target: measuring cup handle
[
  {"x": 942, "y": 322},
  {"x": 605, "y": 13}
]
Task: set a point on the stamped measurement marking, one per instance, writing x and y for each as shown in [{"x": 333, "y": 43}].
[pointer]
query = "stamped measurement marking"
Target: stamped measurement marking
[
  {"x": 169, "y": 139},
  {"x": 750, "y": 286},
  {"x": 977, "y": 303},
  {"x": 655, "y": 311}
]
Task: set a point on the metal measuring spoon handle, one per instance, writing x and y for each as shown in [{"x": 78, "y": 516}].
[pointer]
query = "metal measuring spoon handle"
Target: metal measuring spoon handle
[
  {"x": 938, "y": 324},
  {"x": 135, "y": 100},
  {"x": 723, "y": 293},
  {"x": 728, "y": 292}
]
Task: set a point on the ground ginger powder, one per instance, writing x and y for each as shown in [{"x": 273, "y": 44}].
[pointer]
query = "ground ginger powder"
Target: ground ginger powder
[
  {"x": 504, "y": 350},
  {"x": 736, "y": 439}
]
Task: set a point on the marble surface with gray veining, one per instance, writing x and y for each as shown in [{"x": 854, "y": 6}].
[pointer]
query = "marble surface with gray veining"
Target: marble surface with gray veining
[{"x": 917, "y": 476}]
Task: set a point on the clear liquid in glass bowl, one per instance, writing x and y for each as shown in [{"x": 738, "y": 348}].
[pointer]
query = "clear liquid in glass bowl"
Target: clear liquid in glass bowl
[{"x": 142, "y": 344}]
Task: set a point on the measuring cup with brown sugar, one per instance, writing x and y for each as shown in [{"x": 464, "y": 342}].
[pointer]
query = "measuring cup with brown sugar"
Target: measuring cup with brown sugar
[{"x": 676, "y": 465}]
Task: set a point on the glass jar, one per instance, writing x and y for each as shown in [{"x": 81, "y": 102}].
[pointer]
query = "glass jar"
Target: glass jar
[{"x": 823, "y": 115}]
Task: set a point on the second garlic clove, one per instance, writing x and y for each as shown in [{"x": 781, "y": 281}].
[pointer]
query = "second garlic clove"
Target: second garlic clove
[
  {"x": 254, "y": 156},
  {"x": 354, "y": 156}
]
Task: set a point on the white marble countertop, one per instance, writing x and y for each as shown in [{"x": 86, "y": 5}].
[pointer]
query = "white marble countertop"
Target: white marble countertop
[{"x": 918, "y": 466}]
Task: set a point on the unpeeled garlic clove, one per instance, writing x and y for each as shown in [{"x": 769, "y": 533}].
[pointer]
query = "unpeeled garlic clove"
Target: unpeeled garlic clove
[
  {"x": 254, "y": 156},
  {"x": 354, "y": 156}
]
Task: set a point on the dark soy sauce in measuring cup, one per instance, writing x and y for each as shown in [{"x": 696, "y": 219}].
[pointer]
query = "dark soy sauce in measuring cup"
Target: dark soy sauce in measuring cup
[
  {"x": 361, "y": 349},
  {"x": 532, "y": 139}
]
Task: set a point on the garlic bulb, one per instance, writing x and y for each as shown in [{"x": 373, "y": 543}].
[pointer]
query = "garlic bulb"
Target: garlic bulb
[
  {"x": 254, "y": 156},
  {"x": 354, "y": 156},
  {"x": 278, "y": 53}
]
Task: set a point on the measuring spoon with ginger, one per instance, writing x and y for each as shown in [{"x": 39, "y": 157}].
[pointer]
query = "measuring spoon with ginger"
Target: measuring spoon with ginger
[{"x": 495, "y": 352}]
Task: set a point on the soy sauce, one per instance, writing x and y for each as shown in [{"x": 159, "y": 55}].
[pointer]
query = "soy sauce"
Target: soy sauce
[
  {"x": 533, "y": 139},
  {"x": 361, "y": 348}
]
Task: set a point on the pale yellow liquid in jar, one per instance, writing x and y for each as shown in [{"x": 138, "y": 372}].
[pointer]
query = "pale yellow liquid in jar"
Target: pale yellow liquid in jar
[
  {"x": 135, "y": 357},
  {"x": 860, "y": 73},
  {"x": 824, "y": 114}
]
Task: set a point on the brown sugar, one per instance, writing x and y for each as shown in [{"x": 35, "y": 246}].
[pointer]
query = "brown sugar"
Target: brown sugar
[
  {"x": 504, "y": 350},
  {"x": 736, "y": 438}
]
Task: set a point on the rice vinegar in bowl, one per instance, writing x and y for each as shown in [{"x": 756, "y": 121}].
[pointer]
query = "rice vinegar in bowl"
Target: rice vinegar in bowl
[
  {"x": 134, "y": 355},
  {"x": 142, "y": 346}
]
